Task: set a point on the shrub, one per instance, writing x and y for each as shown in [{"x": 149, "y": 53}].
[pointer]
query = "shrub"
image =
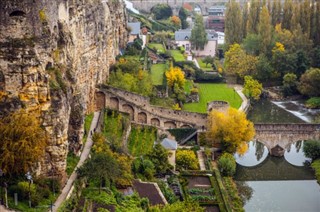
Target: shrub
[
  {"x": 227, "y": 164},
  {"x": 311, "y": 149},
  {"x": 186, "y": 159},
  {"x": 316, "y": 166},
  {"x": 313, "y": 102}
]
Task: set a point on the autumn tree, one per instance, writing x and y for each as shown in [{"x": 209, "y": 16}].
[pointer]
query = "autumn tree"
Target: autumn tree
[
  {"x": 264, "y": 30},
  {"x": 198, "y": 37},
  {"x": 276, "y": 12},
  {"x": 230, "y": 129},
  {"x": 237, "y": 62},
  {"x": 159, "y": 157},
  {"x": 233, "y": 23},
  {"x": 305, "y": 18},
  {"x": 175, "y": 76},
  {"x": 252, "y": 88},
  {"x": 175, "y": 20},
  {"x": 310, "y": 83},
  {"x": 186, "y": 159},
  {"x": 22, "y": 142},
  {"x": 161, "y": 11}
]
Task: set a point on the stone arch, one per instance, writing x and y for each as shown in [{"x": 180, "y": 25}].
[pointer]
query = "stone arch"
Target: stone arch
[
  {"x": 17, "y": 13},
  {"x": 128, "y": 109},
  {"x": 142, "y": 117},
  {"x": 114, "y": 103},
  {"x": 100, "y": 99},
  {"x": 186, "y": 126},
  {"x": 170, "y": 124},
  {"x": 155, "y": 122}
]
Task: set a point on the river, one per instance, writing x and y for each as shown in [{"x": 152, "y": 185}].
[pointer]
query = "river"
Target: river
[{"x": 278, "y": 184}]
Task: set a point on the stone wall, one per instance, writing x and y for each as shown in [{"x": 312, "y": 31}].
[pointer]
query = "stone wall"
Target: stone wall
[{"x": 52, "y": 56}]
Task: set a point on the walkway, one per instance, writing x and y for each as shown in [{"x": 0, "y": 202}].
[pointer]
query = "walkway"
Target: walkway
[
  {"x": 84, "y": 155},
  {"x": 201, "y": 160},
  {"x": 245, "y": 102}
]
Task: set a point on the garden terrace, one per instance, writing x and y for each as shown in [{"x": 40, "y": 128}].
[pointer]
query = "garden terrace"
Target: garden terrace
[{"x": 150, "y": 191}]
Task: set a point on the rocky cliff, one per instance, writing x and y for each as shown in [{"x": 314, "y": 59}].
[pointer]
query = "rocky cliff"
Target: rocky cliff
[{"x": 53, "y": 53}]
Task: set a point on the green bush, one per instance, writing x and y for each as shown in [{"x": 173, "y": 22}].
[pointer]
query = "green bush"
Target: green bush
[
  {"x": 313, "y": 102},
  {"x": 316, "y": 166},
  {"x": 227, "y": 165},
  {"x": 23, "y": 188},
  {"x": 311, "y": 149}
]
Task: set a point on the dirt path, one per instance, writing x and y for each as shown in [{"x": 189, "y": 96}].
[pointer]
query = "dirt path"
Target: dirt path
[{"x": 84, "y": 155}]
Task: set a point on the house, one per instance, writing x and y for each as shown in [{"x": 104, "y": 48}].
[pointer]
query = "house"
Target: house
[
  {"x": 171, "y": 146},
  {"x": 182, "y": 38},
  {"x": 216, "y": 18},
  {"x": 135, "y": 31}
]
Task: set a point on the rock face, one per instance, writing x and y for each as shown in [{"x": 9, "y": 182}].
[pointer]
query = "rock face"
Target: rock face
[{"x": 53, "y": 53}]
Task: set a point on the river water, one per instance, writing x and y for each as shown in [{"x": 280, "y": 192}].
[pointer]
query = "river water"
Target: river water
[{"x": 278, "y": 184}]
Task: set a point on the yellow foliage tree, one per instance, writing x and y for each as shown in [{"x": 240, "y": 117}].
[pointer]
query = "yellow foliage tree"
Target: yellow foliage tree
[
  {"x": 22, "y": 142},
  {"x": 237, "y": 62},
  {"x": 175, "y": 76},
  {"x": 230, "y": 129}
]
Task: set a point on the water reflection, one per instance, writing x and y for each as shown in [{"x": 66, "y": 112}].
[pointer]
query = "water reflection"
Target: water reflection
[
  {"x": 266, "y": 112},
  {"x": 255, "y": 154},
  {"x": 295, "y": 155},
  {"x": 279, "y": 196}
]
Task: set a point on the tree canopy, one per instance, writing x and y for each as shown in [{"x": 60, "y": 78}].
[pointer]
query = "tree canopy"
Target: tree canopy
[
  {"x": 198, "y": 37},
  {"x": 229, "y": 128},
  {"x": 22, "y": 142}
]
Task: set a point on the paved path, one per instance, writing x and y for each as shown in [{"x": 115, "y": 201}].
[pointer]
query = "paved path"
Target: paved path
[
  {"x": 201, "y": 160},
  {"x": 245, "y": 102},
  {"x": 84, "y": 155},
  {"x": 3, "y": 209}
]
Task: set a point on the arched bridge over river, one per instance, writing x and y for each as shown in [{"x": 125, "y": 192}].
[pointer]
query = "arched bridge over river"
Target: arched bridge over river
[{"x": 283, "y": 135}]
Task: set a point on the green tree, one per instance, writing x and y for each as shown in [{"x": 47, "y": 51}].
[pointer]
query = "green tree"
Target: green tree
[
  {"x": 252, "y": 44},
  {"x": 187, "y": 160},
  {"x": 183, "y": 14},
  {"x": 305, "y": 18},
  {"x": 264, "y": 30},
  {"x": 252, "y": 88},
  {"x": 161, "y": 11},
  {"x": 311, "y": 149},
  {"x": 159, "y": 157},
  {"x": 295, "y": 19},
  {"x": 233, "y": 23},
  {"x": 230, "y": 129},
  {"x": 253, "y": 18},
  {"x": 316, "y": 36},
  {"x": 22, "y": 142},
  {"x": 198, "y": 37},
  {"x": 310, "y": 83},
  {"x": 264, "y": 69},
  {"x": 208, "y": 60},
  {"x": 186, "y": 205},
  {"x": 245, "y": 14},
  {"x": 287, "y": 14},
  {"x": 289, "y": 84},
  {"x": 227, "y": 164},
  {"x": 102, "y": 166}
]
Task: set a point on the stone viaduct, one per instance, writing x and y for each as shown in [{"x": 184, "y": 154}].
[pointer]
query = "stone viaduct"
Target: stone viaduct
[
  {"x": 142, "y": 112},
  {"x": 203, "y": 5},
  {"x": 283, "y": 135}
]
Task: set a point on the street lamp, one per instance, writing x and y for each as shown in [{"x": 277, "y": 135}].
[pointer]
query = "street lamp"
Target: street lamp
[{"x": 29, "y": 178}]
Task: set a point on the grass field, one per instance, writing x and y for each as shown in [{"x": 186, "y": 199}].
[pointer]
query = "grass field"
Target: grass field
[
  {"x": 188, "y": 86},
  {"x": 210, "y": 92},
  {"x": 157, "y": 73},
  {"x": 158, "y": 46},
  {"x": 141, "y": 140},
  {"x": 203, "y": 65},
  {"x": 176, "y": 54}
]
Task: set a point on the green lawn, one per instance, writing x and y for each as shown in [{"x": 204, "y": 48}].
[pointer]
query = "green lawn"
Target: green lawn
[
  {"x": 141, "y": 140},
  {"x": 210, "y": 92},
  {"x": 157, "y": 73},
  {"x": 158, "y": 46},
  {"x": 188, "y": 86},
  {"x": 203, "y": 65},
  {"x": 176, "y": 54}
]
